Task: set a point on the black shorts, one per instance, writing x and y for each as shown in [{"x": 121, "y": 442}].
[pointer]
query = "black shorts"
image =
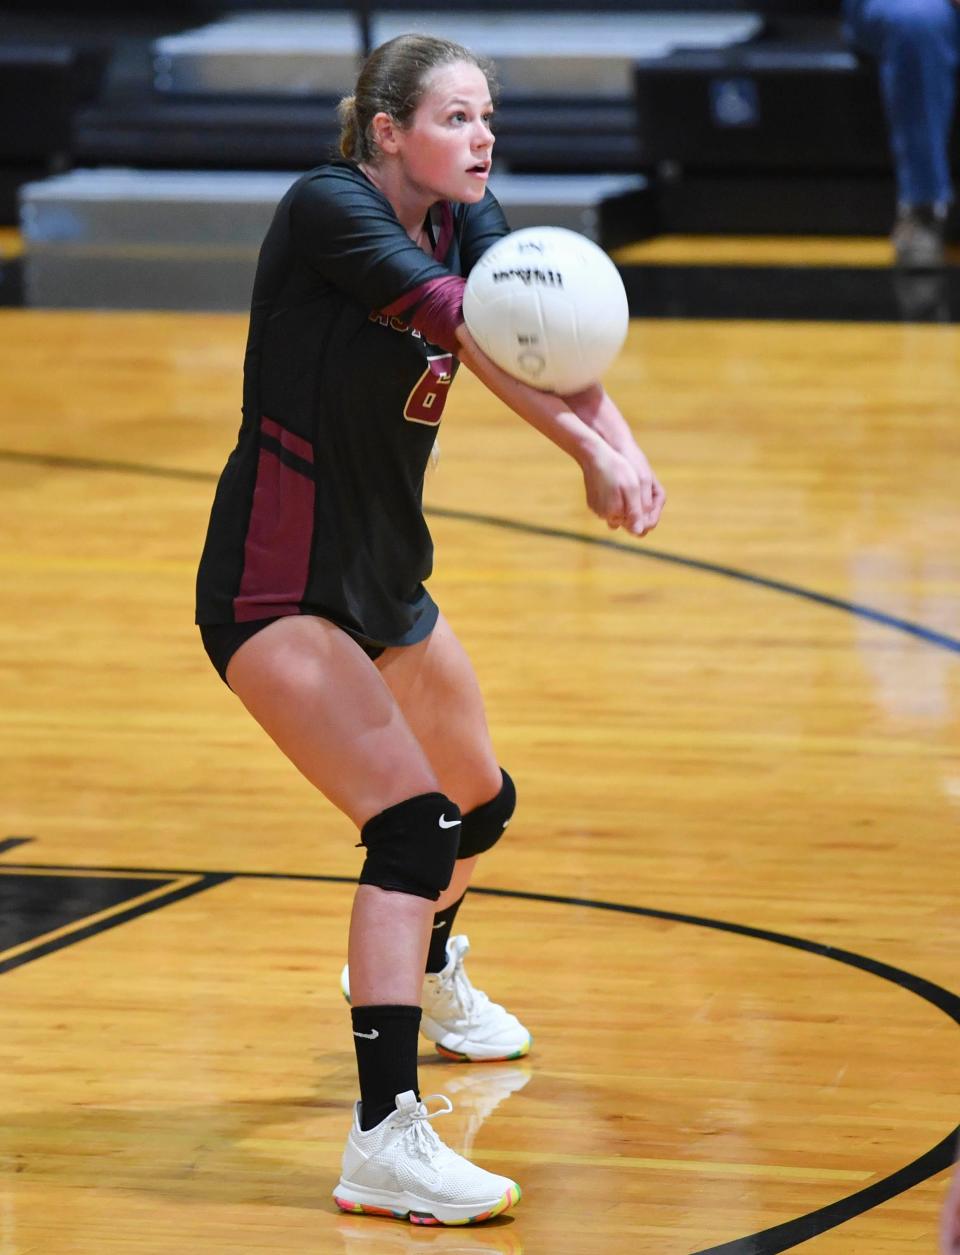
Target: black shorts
[{"x": 222, "y": 640}]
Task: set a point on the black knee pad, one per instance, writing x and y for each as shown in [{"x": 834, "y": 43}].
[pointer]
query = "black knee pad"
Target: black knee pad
[
  {"x": 412, "y": 847},
  {"x": 483, "y": 826}
]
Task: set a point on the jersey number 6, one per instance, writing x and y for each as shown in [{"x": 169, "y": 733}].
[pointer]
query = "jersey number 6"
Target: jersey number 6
[{"x": 429, "y": 394}]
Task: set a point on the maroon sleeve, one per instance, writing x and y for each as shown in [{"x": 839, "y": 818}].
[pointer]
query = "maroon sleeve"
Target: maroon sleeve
[{"x": 435, "y": 308}]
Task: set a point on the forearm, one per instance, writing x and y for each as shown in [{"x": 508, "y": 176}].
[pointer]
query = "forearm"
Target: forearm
[
  {"x": 548, "y": 413},
  {"x": 620, "y": 486},
  {"x": 601, "y": 415}
]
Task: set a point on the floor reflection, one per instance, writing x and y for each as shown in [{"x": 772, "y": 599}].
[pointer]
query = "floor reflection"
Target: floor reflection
[
  {"x": 369, "y": 1235},
  {"x": 475, "y": 1092}
]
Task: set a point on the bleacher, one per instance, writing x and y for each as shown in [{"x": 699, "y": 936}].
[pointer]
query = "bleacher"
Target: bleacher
[{"x": 143, "y": 154}]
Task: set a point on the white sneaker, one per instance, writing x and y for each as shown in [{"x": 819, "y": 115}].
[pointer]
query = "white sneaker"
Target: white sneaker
[
  {"x": 401, "y": 1168},
  {"x": 461, "y": 1021}
]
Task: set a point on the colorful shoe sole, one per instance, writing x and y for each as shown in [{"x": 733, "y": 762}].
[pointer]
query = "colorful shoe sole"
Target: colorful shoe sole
[
  {"x": 457, "y": 1057},
  {"x": 359, "y": 1209},
  {"x": 510, "y": 1199}
]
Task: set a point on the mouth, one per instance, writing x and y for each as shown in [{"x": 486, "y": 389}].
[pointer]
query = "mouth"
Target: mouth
[{"x": 481, "y": 169}]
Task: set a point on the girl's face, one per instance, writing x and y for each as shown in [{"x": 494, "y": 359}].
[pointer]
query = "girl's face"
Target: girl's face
[{"x": 445, "y": 151}]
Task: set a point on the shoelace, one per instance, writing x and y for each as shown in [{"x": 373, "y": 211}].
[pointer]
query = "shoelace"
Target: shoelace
[
  {"x": 458, "y": 988},
  {"x": 424, "y": 1137}
]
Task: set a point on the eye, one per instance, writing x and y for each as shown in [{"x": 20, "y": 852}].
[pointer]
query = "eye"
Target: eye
[
  {"x": 488, "y": 119},
  {"x": 459, "y": 116}
]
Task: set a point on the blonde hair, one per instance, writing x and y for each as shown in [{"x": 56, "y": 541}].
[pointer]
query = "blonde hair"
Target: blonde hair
[{"x": 392, "y": 81}]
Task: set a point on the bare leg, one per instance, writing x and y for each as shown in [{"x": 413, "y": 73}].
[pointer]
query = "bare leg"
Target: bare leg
[
  {"x": 323, "y": 702},
  {"x": 437, "y": 690},
  {"x": 436, "y": 687},
  {"x": 387, "y": 952}
]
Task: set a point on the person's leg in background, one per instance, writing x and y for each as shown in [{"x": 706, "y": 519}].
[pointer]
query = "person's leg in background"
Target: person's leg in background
[{"x": 917, "y": 47}]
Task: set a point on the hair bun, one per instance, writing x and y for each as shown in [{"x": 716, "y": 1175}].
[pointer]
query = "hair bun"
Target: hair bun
[{"x": 349, "y": 130}]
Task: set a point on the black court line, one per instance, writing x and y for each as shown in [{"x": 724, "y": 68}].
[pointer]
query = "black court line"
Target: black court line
[
  {"x": 62, "y": 462},
  {"x": 785, "y": 1236},
  {"x": 770, "y": 1241},
  {"x": 780, "y": 1237},
  {"x": 11, "y": 843},
  {"x": 42, "y": 948},
  {"x": 919, "y": 631}
]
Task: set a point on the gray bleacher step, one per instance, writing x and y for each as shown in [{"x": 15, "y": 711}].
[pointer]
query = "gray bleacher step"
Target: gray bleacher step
[
  {"x": 290, "y": 54},
  {"x": 577, "y": 54},
  {"x": 585, "y": 54},
  {"x": 103, "y": 208},
  {"x": 147, "y": 239}
]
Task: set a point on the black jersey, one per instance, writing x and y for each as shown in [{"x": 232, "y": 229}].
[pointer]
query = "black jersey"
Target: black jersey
[{"x": 319, "y": 507}]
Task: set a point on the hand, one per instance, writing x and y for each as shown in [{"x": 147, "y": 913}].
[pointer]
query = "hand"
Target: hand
[
  {"x": 652, "y": 496},
  {"x": 614, "y": 490},
  {"x": 620, "y": 485},
  {"x": 595, "y": 408}
]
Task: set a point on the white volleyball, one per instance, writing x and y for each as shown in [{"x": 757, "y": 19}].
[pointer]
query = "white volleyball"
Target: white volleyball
[{"x": 548, "y": 306}]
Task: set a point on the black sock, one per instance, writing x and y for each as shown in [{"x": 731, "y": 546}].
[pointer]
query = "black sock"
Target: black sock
[
  {"x": 442, "y": 927},
  {"x": 386, "y": 1043}
]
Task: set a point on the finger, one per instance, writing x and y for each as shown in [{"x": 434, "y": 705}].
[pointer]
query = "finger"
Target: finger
[
  {"x": 595, "y": 502},
  {"x": 635, "y": 521},
  {"x": 634, "y": 513},
  {"x": 659, "y": 500},
  {"x": 616, "y": 516},
  {"x": 650, "y": 519},
  {"x": 646, "y": 494}
]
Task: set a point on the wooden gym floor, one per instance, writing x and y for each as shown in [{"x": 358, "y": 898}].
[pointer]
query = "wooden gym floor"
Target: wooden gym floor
[{"x": 727, "y": 907}]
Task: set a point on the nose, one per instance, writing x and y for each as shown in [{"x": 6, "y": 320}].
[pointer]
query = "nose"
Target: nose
[{"x": 484, "y": 138}]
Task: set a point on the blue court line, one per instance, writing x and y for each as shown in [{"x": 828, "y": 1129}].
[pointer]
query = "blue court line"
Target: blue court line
[
  {"x": 643, "y": 550},
  {"x": 637, "y": 550}
]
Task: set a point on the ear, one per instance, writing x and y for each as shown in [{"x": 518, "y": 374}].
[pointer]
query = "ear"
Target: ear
[{"x": 385, "y": 133}]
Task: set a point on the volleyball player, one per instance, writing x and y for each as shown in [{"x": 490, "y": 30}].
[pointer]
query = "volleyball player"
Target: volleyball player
[{"x": 311, "y": 597}]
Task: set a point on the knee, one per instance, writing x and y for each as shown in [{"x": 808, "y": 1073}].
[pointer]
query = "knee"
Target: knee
[
  {"x": 412, "y": 847},
  {"x": 484, "y": 825}
]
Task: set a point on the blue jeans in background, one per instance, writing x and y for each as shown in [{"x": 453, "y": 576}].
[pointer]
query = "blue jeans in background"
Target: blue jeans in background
[{"x": 917, "y": 47}]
